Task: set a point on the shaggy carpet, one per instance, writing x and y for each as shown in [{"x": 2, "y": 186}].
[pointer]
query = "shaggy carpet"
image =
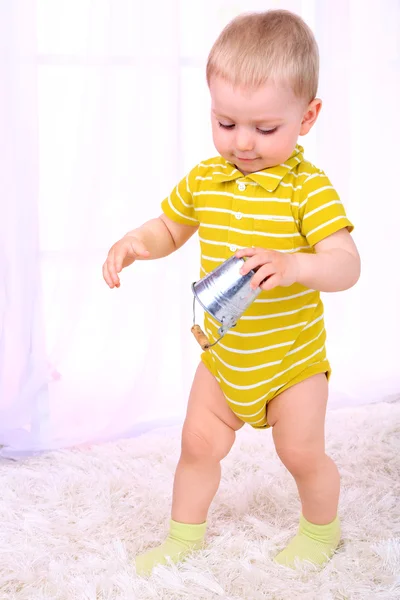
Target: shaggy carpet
[{"x": 72, "y": 520}]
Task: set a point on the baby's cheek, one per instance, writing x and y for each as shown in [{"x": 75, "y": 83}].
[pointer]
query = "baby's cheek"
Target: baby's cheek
[{"x": 218, "y": 142}]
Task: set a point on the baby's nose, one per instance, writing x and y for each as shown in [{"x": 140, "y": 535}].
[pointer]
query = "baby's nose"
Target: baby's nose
[{"x": 244, "y": 140}]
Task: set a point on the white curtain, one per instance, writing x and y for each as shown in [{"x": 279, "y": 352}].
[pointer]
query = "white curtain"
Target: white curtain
[{"x": 103, "y": 107}]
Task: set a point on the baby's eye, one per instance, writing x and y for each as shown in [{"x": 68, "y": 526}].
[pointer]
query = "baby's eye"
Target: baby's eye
[
  {"x": 267, "y": 131},
  {"x": 225, "y": 126}
]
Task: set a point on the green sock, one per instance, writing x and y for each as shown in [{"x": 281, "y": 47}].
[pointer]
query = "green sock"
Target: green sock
[
  {"x": 181, "y": 540},
  {"x": 314, "y": 543}
]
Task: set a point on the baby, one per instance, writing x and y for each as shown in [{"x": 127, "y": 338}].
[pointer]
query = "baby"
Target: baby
[{"x": 261, "y": 199}]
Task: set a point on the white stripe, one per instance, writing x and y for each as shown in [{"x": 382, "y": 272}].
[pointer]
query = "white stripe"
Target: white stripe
[
  {"x": 213, "y": 259},
  {"x": 211, "y": 176},
  {"x": 216, "y": 243},
  {"x": 220, "y": 243},
  {"x": 275, "y": 218},
  {"x": 259, "y": 333},
  {"x": 319, "y": 190},
  {"x": 312, "y": 175},
  {"x": 255, "y": 385},
  {"x": 179, "y": 213},
  {"x": 199, "y": 178},
  {"x": 327, "y": 223},
  {"x": 278, "y": 387},
  {"x": 244, "y": 403},
  {"x": 187, "y": 185},
  {"x": 312, "y": 212},
  {"x": 306, "y": 344},
  {"x": 303, "y": 203},
  {"x": 247, "y": 232},
  {"x": 182, "y": 200},
  {"x": 212, "y": 165},
  {"x": 259, "y": 420},
  {"x": 239, "y": 197},
  {"x": 291, "y": 166},
  {"x": 292, "y": 186},
  {"x": 265, "y": 349},
  {"x": 233, "y": 171},
  {"x": 314, "y": 322},
  {"x": 282, "y": 299},
  {"x": 213, "y": 243},
  {"x": 287, "y": 250},
  {"x": 282, "y": 314},
  {"x": 253, "y": 415},
  {"x": 268, "y": 175}
]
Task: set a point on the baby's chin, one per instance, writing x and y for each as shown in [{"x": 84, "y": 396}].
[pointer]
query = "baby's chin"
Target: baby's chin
[{"x": 252, "y": 166}]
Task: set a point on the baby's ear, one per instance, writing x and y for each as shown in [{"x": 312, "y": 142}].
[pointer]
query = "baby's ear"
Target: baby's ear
[{"x": 310, "y": 115}]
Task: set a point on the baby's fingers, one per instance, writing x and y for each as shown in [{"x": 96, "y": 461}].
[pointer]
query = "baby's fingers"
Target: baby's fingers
[
  {"x": 246, "y": 252},
  {"x": 262, "y": 274},
  {"x": 260, "y": 258},
  {"x": 111, "y": 266},
  {"x": 109, "y": 279},
  {"x": 271, "y": 282}
]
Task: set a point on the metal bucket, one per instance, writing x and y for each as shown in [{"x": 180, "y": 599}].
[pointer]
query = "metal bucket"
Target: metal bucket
[{"x": 224, "y": 294}]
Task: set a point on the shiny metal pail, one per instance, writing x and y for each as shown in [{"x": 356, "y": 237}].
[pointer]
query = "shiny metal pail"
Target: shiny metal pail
[{"x": 224, "y": 294}]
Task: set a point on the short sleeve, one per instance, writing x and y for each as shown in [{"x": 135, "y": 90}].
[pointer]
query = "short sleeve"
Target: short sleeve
[
  {"x": 179, "y": 205},
  {"x": 321, "y": 211}
]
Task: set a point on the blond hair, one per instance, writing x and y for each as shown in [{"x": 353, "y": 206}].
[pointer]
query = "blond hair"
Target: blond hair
[{"x": 274, "y": 45}]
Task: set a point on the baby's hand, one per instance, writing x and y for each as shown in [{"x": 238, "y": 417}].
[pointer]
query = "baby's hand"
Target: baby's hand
[
  {"x": 273, "y": 268},
  {"x": 122, "y": 254}
]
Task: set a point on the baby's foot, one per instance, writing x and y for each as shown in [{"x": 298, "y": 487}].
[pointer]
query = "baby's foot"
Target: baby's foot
[
  {"x": 181, "y": 540},
  {"x": 313, "y": 543}
]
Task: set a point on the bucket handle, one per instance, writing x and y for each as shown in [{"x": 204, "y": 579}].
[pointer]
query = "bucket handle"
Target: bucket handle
[{"x": 199, "y": 334}]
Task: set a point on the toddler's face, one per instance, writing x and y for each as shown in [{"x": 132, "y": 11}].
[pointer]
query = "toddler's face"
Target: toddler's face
[{"x": 258, "y": 128}]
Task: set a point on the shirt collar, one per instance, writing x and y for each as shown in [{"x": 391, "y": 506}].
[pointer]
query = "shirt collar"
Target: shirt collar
[{"x": 269, "y": 178}]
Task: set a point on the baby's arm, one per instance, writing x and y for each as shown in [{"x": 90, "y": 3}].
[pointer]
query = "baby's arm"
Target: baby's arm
[
  {"x": 334, "y": 267},
  {"x": 158, "y": 237},
  {"x": 161, "y": 236},
  {"x": 154, "y": 239}
]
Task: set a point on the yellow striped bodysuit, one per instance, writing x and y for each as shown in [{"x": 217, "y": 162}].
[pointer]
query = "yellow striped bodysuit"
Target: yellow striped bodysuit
[{"x": 280, "y": 340}]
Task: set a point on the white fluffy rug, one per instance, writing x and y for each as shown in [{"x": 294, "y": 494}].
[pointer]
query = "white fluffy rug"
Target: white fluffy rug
[{"x": 72, "y": 521}]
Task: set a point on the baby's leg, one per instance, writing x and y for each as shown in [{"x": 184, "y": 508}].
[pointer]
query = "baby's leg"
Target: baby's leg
[
  {"x": 298, "y": 418},
  {"x": 207, "y": 436}
]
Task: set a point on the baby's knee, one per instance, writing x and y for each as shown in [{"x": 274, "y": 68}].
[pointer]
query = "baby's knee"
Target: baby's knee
[
  {"x": 301, "y": 461},
  {"x": 197, "y": 446}
]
